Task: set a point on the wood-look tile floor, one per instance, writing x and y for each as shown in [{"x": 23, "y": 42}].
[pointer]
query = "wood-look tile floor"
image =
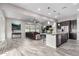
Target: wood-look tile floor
[{"x": 27, "y": 47}]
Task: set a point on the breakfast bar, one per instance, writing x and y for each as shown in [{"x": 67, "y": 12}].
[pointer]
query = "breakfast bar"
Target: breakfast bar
[{"x": 56, "y": 40}]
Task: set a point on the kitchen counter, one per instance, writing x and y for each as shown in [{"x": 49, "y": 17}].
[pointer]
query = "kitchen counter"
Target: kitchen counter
[
  {"x": 56, "y": 39},
  {"x": 55, "y": 33},
  {"x": 51, "y": 40},
  {"x": 61, "y": 39}
]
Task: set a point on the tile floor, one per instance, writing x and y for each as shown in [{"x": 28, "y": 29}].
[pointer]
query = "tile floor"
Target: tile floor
[{"x": 28, "y": 47}]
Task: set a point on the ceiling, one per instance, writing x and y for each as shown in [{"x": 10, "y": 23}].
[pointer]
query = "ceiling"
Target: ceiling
[
  {"x": 41, "y": 11},
  {"x": 52, "y": 10}
]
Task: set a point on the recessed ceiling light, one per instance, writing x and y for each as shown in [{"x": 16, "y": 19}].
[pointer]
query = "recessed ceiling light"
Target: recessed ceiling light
[
  {"x": 49, "y": 13},
  {"x": 39, "y": 9},
  {"x": 77, "y": 9},
  {"x": 48, "y": 22},
  {"x": 58, "y": 24}
]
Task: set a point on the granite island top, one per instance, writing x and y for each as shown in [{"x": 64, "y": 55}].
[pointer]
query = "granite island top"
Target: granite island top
[{"x": 55, "y": 33}]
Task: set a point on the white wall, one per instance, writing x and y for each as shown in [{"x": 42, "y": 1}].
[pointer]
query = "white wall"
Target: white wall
[
  {"x": 9, "y": 28},
  {"x": 23, "y": 29},
  {"x": 68, "y": 18},
  {"x": 2, "y": 26},
  {"x": 77, "y": 27}
]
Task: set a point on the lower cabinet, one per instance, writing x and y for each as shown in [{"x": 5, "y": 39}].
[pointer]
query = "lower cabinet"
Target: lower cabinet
[
  {"x": 61, "y": 38},
  {"x": 73, "y": 36},
  {"x": 58, "y": 40},
  {"x": 64, "y": 38}
]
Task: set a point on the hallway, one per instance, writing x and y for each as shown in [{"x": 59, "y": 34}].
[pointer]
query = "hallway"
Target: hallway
[{"x": 28, "y": 47}]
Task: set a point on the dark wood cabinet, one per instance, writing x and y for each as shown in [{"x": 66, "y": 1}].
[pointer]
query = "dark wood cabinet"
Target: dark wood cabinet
[
  {"x": 72, "y": 28},
  {"x": 73, "y": 36},
  {"x": 61, "y": 38},
  {"x": 58, "y": 40},
  {"x": 64, "y": 38}
]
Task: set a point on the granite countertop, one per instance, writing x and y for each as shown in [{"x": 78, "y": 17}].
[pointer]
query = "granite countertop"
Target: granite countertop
[
  {"x": 62, "y": 33},
  {"x": 56, "y": 33}
]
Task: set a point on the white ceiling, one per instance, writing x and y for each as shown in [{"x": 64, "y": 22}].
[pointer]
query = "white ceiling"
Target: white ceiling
[
  {"x": 26, "y": 11},
  {"x": 57, "y": 10}
]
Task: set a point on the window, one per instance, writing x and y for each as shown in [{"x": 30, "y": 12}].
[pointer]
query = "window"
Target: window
[{"x": 32, "y": 28}]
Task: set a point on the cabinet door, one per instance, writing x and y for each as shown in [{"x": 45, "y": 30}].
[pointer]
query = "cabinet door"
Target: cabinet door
[
  {"x": 73, "y": 36},
  {"x": 58, "y": 40},
  {"x": 64, "y": 38},
  {"x": 2, "y": 26}
]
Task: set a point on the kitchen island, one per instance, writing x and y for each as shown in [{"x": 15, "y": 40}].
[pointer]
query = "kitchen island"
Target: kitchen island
[{"x": 55, "y": 40}]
